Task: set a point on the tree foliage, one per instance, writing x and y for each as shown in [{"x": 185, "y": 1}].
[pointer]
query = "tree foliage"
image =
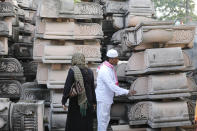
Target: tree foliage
[{"x": 182, "y": 10}]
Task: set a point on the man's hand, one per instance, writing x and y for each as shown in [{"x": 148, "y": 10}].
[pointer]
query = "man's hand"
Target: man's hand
[
  {"x": 132, "y": 92},
  {"x": 94, "y": 106},
  {"x": 64, "y": 107}
]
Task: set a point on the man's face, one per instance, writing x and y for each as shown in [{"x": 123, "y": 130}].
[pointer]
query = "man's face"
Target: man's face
[{"x": 114, "y": 61}]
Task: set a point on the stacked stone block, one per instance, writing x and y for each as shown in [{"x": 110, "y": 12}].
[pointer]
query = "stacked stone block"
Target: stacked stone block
[
  {"x": 62, "y": 29},
  {"x": 157, "y": 68}
]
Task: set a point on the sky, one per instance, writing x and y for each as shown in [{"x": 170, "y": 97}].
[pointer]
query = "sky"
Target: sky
[{"x": 195, "y": 7}]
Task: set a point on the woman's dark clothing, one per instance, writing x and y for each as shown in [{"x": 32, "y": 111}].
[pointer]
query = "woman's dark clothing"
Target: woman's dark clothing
[{"x": 75, "y": 122}]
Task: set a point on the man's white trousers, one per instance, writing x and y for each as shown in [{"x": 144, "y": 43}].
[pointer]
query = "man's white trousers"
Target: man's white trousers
[{"x": 103, "y": 115}]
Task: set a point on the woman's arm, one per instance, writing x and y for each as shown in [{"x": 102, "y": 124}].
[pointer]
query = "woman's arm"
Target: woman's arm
[{"x": 67, "y": 86}]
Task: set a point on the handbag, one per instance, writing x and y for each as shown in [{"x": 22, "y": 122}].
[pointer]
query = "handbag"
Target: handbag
[{"x": 76, "y": 89}]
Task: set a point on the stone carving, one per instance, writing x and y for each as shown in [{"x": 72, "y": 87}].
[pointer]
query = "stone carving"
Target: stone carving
[
  {"x": 10, "y": 67},
  {"x": 115, "y": 7},
  {"x": 22, "y": 51},
  {"x": 149, "y": 36},
  {"x": 172, "y": 36},
  {"x": 42, "y": 73},
  {"x": 141, "y": 7},
  {"x": 33, "y": 91},
  {"x": 161, "y": 86},
  {"x": 68, "y": 30},
  {"x": 3, "y": 45},
  {"x": 6, "y": 9},
  {"x": 27, "y": 116},
  {"x": 4, "y": 31},
  {"x": 90, "y": 48},
  {"x": 63, "y": 54},
  {"x": 67, "y": 9},
  {"x": 4, "y": 114},
  {"x": 158, "y": 60},
  {"x": 159, "y": 114},
  {"x": 10, "y": 89}
]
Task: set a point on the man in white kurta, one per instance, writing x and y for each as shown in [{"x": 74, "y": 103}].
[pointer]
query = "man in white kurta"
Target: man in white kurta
[{"x": 107, "y": 87}]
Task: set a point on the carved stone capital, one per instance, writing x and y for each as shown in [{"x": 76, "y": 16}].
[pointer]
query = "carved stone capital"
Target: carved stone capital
[
  {"x": 27, "y": 115},
  {"x": 22, "y": 51},
  {"x": 10, "y": 89},
  {"x": 6, "y": 9},
  {"x": 161, "y": 86},
  {"x": 158, "y": 60},
  {"x": 159, "y": 114},
  {"x": 10, "y": 67},
  {"x": 32, "y": 91},
  {"x": 48, "y": 29},
  {"x": 54, "y": 51},
  {"x": 69, "y": 9}
]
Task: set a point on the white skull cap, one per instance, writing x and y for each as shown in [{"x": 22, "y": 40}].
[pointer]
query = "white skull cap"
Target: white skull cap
[{"x": 112, "y": 53}]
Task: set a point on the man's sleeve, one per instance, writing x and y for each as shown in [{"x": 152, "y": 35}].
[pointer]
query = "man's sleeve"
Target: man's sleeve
[{"x": 108, "y": 81}]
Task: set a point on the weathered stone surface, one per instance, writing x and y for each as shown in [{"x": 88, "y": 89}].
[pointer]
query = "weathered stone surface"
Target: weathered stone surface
[
  {"x": 49, "y": 29},
  {"x": 172, "y": 36},
  {"x": 155, "y": 34},
  {"x": 56, "y": 77},
  {"x": 6, "y": 9},
  {"x": 118, "y": 112},
  {"x": 69, "y": 9},
  {"x": 10, "y": 89},
  {"x": 22, "y": 51},
  {"x": 4, "y": 31},
  {"x": 42, "y": 73},
  {"x": 28, "y": 4},
  {"x": 115, "y": 7},
  {"x": 159, "y": 114},
  {"x": 118, "y": 21},
  {"x": 57, "y": 114},
  {"x": 30, "y": 70},
  {"x": 55, "y": 51},
  {"x": 33, "y": 91},
  {"x": 58, "y": 119},
  {"x": 126, "y": 128},
  {"x": 27, "y": 115},
  {"x": 161, "y": 86},
  {"x": 10, "y": 67},
  {"x": 141, "y": 7},
  {"x": 158, "y": 60},
  {"x": 29, "y": 16},
  {"x": 133, "y": 21},
  {"x": 8, "y": 24},
  {"x": 4, "y": 114},
  {"x": 63, "y": 54},
  {"x": 3, "y": 45}
]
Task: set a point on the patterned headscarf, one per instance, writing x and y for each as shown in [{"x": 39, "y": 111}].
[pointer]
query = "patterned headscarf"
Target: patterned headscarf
[{"x": 78, "y": 60}]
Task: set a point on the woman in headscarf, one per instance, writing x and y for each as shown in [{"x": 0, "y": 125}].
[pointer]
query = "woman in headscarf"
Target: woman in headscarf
[{"x": 81, "y": 107}]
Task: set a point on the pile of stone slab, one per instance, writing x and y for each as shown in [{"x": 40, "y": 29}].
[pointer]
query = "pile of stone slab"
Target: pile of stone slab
[
  {"x": 21, "y": 44},
  {"x": 11, "y": 71},
  {"x": 62, "y": 29},
  {"x": 157, "y": 68}
]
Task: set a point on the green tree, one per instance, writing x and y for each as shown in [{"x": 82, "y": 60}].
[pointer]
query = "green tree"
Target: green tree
[{"x": 182, "y": 10}]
